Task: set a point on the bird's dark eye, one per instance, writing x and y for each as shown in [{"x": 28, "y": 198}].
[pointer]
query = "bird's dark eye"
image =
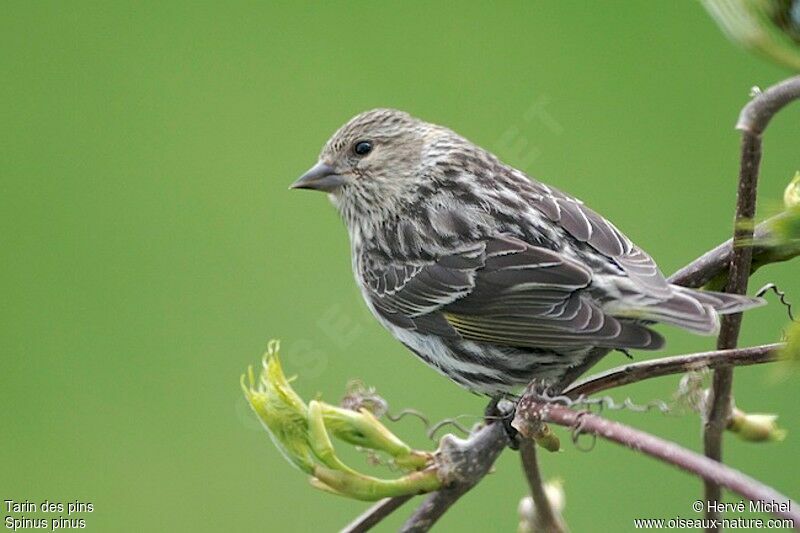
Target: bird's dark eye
[{"x": 362, "y": 148}]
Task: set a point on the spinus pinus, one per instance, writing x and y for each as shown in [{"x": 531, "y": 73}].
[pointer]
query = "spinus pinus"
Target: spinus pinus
[{"x": 487, "y": 275}]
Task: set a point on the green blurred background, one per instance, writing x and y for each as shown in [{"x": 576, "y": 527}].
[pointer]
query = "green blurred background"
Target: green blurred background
[{"x": 151, "y": 247}]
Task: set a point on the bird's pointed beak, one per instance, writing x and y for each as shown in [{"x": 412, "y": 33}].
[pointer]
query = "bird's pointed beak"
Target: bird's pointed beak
[{"x": 320, "y": 177}]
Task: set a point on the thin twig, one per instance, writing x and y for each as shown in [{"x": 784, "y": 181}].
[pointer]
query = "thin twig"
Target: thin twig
[
  {"x": 548, "y": 521},
  {"x": 664, "y": 450},
  {"x": 711, "y": 268},
  {"x": 757, "y": 114},
  {"x": 677, "y": 364},
  {"x": 372, "y": 516},
  {"x": 719, "y": 404},
  {"x": 752, "y": 121}
]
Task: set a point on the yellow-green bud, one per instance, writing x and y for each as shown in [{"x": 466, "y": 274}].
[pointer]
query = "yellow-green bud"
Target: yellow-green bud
[
  {"x": 756, "y": 427},
  {"x": 530, "y": 520},
  {"x": 791, "y": 196}
]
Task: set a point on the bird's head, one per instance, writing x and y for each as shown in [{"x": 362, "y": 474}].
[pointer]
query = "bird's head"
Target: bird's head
[{"x": 373, "y": 163}]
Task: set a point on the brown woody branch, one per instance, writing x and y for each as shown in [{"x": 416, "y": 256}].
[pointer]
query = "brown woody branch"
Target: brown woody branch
[
  {"x": 753, "y": 119},
  {"x": 678, "y": 364},
  {"x": 484, "y": 447},
  {"x": 711, "y": 269},
  {"x": 373, "y": 516},
  {"x": 548, "y": 520}
]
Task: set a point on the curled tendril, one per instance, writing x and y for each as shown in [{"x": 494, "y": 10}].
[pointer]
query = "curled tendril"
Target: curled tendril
[
  {"x": 359, "y": 396},
  {"x": 453, "y": 422},
  {"x": 607, "y": 402},
  {"x": 409, "y": 412},
  {"x": 588, "y": 406},
  {"x": 432, "y": 428},
  {"x": 781, "y": 296},
  {"x": 576, "y": 431}
]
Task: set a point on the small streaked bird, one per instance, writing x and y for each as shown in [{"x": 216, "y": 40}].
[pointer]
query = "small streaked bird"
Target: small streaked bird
[{"x": 486, "y": 274}]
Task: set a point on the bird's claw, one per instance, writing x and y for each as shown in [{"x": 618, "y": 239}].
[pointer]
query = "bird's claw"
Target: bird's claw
[{"x": 504, "y": 410}]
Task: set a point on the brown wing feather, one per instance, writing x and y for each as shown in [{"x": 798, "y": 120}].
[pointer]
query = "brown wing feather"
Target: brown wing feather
[
  {"x": 587, "y": 226},
  {"x": 506, "y": 292}
]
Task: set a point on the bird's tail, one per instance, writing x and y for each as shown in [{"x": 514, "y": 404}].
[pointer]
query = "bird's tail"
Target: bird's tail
[{"x": 696, "y": 310}]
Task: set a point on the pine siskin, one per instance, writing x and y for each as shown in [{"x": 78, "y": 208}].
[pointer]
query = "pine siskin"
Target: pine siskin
[{"x": 487, "y": 275}]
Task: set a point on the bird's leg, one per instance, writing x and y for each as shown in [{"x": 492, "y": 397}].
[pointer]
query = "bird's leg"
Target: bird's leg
[{"x": 504, "y": 409}]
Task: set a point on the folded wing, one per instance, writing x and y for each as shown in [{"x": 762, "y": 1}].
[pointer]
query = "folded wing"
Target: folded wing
[{"x": 502, "y": 291}]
